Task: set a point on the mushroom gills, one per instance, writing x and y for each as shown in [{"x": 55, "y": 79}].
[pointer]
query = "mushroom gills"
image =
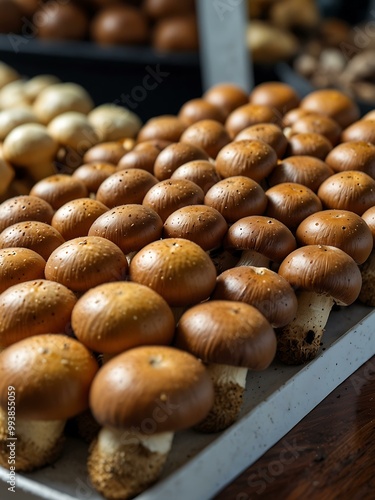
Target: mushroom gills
[
  {"x": 299, "y": 341},
  {"x": 367, "y": 294},
  {"x": 253, "y": 258},
  {"x": 229, "y": 386},
  {"x": 37, "y": 442},
  {"x": 123, "y": 463}
]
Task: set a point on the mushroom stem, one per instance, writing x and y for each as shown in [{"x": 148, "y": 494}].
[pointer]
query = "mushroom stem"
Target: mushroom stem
[
  {"x": 367, "y": 293},
  {"x": 299, "y": 341},
  {"x": 123, "y": 463},
  {"x": 229, "y": 386},
  {"x": 37, "y": 442},
  {"x": 253, "y": 258}
]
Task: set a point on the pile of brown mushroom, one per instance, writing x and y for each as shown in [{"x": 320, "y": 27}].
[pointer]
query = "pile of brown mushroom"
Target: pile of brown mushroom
[{"x": 144, "y": 282}]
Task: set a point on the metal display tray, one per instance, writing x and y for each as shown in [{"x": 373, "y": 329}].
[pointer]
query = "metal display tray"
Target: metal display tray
[{"x": 200, "y": 465}]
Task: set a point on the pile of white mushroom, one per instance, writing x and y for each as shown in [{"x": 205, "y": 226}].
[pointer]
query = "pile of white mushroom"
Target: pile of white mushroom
[{"x": 146, "y": 268}]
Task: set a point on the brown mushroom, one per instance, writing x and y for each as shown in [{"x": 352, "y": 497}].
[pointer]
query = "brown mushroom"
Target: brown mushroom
[
  {"x": 361, "y": 130},
  {"x": 24, "y": 208},
  {"x": 164, "y": 127},
  {"x": 268, "y": 133},
  {"x": 321, "y": 275},
  {"x": 176, "y": 34},
  {"x": 353, "y": 155},
  {"x": 226, "y": 96},
  {"x": 59, "y": 189},
  {"x": 143, "y": 158},
  {"x": 198, "y": 109},
  {"x": 166, "y": 8},
  {"x": 18, "y": 265},
  {"x": 209, "y": 135},
  {"x": 250, "y": 114},
  {"x": 65, "y": 21},
  {"x": 93, "y": 174},
  {"x": 309, "y": 144},
  {"x": 276, "y": 95},
  {"x": 106, "y": 152},
  {"x": 201, "y": 172},
  {"x": 319, "y": 124},
  {"x": 175, "y": 155}
]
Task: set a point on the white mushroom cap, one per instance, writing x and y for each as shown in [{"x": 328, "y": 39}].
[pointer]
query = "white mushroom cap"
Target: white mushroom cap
[
  {"x": 113, "y": 122},
  {"x": 13, "y": 117},
  {"x": 7, "y": 74},
  {"x": 34, "y": 86},
  {"x": 13, "y": 94},
  {"x": 72, "y": 129}
]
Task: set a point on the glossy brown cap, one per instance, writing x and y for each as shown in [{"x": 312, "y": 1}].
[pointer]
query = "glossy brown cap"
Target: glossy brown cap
[
  {"x": 198, "y": 109},
  {"x": 309, "y": 144},
  {"x": 229, "y": 333},
  {"x": 130, "y": 226},
  {"x": 75, "y": 218},
  {"x": 171, "y": 194},
  {"x": 250, "y": 114},
  {"x": 158, "y": 383},
  {"x": 93, "y": 174},
  {"x": 369, "y": 218},
  {"x": 208, "y": 135},
  {"x": 59, "y": 189},
  {"x": 32, "y": 308},
  {"x": 166, "y": 8},
  {"x": 276, "y": 95},
  {"x": 38, "y": 236},
  {"x": 260, "y": 287},
  {"x": 106, "y": 152},
  {"x": 353, "y": 155},
  {"x": 265, "y": 235},
  {"x": 291, "y": 203},
  {"x": 24, "y": 208},
  {"x": 319, "y": 124},
  {"x": 85, "y": 262},
  {"x": 362, "y": 130},
  {"x": 143, "y": 159},
  {"x": 114, "y": 317},
  {"x": 164, "y": 127},
  {"x": 176, "y": 34},
  {"x": 236, "y": 197},
  {"x": 323, "y": 269},
  {"x": 51, "y": 376},
  {"x": 268, "y": 133},
  {"x": 306, "y": 170},
  {"x": 178, "y": 269},
  {"x": 250, "y": 158},
  {"x": 199, "y": 223},
  {"x": 338, "y": 228},
  {"x": 227, "y": 96},
  {"x": 63, "y": 22},
  {"x": 175, "y": 155},
  {"x": 18, "y": 265},
  {"x": 125, "y": 186},
  {"x": 350, "y": 190},
  {"x": 201, "y": 172}
]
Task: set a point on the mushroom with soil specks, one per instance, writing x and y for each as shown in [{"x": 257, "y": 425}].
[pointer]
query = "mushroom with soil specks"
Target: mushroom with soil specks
[
  {"x": 18, "y": 265},
  {"x": 353, "y": 155},
  {"x": 209, "y": 135},
  {"x": 175, "y": 155},
  {"x": 250, "y": 114},
  {"x": 23, "y": 208},
  {"x": 59, "y": 189},
  {"x": 164, "y": 127},
  {"x": 227, "y": 96},
  {"x": 202, "y": 172},
  {"x": 93, "y": 174}
]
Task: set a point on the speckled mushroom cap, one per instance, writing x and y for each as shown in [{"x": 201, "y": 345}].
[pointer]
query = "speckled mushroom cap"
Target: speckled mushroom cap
[
  {"x": 143, "y": 158},
  {"x": 209, "y": 135},
  {"x": 38, "y": 236},
  {"x": 85, "y": 262},
  {"x": 260, "y": 287},
  {"x": 332, "y": 103},
  {"x": 75, "y": 218},
  {"x": 51, "y": 376},
  {"x": 202, "y": 172},
  {"x": 107, "y": 152},
  {"x": 290, "y": 203},
  {"x": 309, "y": 144},
  {"x": 269, "y": 133},
  {"x": 125, "y": 186},
  {"x": 227, "y": 332},
  {"x": 350, "y": 190},
  {"x": 369, "y": 218},
  {"x": 353, "y": 155},
  {"x": 236, "y": 197},
  {"x": 130, "y": 227},
  {"x": 362, "y": 130},
  {"x": 134, "y": 385},
  {"x": 178, "y": 269},
  {"x": 306, "y": 170},
  {"x": 175, "y": 155},
  {"x": 250, "y": 114},
  {"x": 93, "y": 174},
  {"x": 199, "y": 223},
  {"x": 22, "y": 208},
  {"x": 250, "y": 158},
  {"x": 59, "y": 189},
  {"x": 32, "y": 308},
  {"x": 165, "y": 127},
  {"x": 195, "y": 110},
  {"x": 320, "y": 124},
  {"x": 227, "y": 96},
  {"x": 323, "y": 269},
  {"x": 114, "y": 317},
  {"x": 338, "y": 228},
  {"x": 18, "y": 265},
  {"x": 265, "y": 235},
  {"x": 171, "y": 194},
  {"x": 277, "y": 95}
]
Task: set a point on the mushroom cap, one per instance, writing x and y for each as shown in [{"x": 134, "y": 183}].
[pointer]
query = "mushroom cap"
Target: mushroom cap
[
  {"x": 34, "y": 307},
  {"x": 37, "y": 236},
  {"x": 7, "y": 74},
  {"x": 130, "y": 226},
  {"x": 337, "y": 228},
  {"x": 125, "y": 186},
  {"x": 150, "y": 381},
  {"x": 250, "y": 158},
  {"x": 362, "y": 130},
  {"x": 323, "y": 269},
  {"x": 178, "y": 269},
  {"x": 165, "y": 127},
  {"x": 63, "y": 22},
  {"x": 353, "y": 155},
  {"x": 236, "y": 197},
  {"x": 73, "y": 130},
  {"x": 59, "y": 189},
  {"x": 250, "y": 114},
  {"x": 265, "y": 235},
  {"x": 143, "y": 158},
  {"x": 320, "y": 124},
  {"x": 171, "y": 194},
  {"x": 13, "y": 117},
  {"x": 107, "y": 152},
  {"x": 176, "y": 34},
  {"x": 22, "y": 208},
  {"x": 85, "y": 262},
  {"x": 276, "y": 95},
  {"x": 18, "y": 265},
  {"x": 75, "y": 218},
  {"x": 269, "y": 133},
  {"x": 260, "y": 287},
  {"x": 199, "y": 223},
  {"x": 209, "y": 135},
  {"x": 227, "y": 332},
  {"x": 197, "y": 109},
  {"x": 201, "y": 172},
  {"x": 369, "y": 218},
  {"x": 112, "y": 122},
  {"x": 332, "y": 103},
  {"x": 175, "y": 155},
  {"x": 35, "y": 85},
  {"x": 93, "y": 174},
  {"x": 307, "y": 170},
  {"x": 349, "y": 190},
  {"x": 51, "y": 375},
  {"x": 167, "y": 8},
  {"x": 291, "y": 203},
  {"x": 227, "y": 96},
  {"x": 114, "y": 317},
  {"x": 309, "y": 144}
]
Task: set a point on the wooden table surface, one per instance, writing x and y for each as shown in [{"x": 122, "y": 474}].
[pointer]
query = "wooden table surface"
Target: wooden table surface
[{"x": 329, "y": 455}]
